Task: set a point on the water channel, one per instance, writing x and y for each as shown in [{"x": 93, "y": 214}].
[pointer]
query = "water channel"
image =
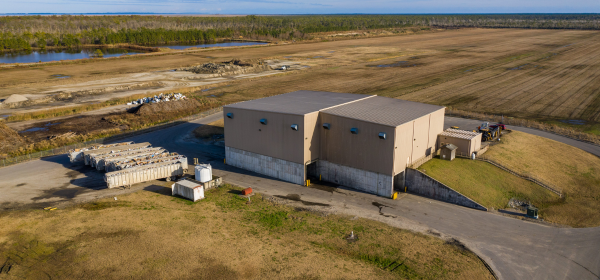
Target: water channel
[
  {"x": 59, "y": 54},
  {"x": 69, "y": 54}
]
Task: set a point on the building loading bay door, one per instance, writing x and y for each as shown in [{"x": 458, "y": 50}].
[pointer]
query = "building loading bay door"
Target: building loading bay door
[{"x": 312, "y": 172}]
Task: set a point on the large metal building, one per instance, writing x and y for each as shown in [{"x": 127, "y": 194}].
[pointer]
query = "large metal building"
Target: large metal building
[{"x": 359, "y": 141}]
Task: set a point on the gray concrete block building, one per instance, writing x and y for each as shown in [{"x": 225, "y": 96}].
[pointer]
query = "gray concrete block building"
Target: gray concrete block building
[{"x": 359, "y": 141}]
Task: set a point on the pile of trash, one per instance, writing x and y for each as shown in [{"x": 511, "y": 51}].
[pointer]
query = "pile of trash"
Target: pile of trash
[
  {"x": 518, "y": 204},
  {"x": 152, "y": 159},
  {"x": 160, "y": 98},
  {"x": 234, "y": 66}
]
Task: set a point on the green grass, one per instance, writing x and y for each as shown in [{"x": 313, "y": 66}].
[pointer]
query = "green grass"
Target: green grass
[{"x": 487, "y": 184}]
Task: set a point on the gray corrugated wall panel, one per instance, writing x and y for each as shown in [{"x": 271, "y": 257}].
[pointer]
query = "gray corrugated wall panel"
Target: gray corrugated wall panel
[{"x": 277, "y": 168}]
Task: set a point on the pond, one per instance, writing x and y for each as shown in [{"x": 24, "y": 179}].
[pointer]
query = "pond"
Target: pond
[
  {"x": 60, "y": 54},
  {"x": 211, "y": 45}
]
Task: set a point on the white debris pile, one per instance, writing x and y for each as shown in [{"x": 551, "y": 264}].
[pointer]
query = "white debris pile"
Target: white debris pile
[
  {"x": 77, "y": 154},
  {"x": 159, "y": 98},
  {"x": 137, "y": 162}
]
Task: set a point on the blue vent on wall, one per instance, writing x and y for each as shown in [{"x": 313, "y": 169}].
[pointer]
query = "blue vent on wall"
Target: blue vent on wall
[
  {"x": 230, "y": 115},
  {"x": 326, "y": 126},
  {"x": 263, "y": 121},
  {"x": 294, "y": 127},
  {"x": 382, "y": 135},
  {"x": 354, "y": 130}
]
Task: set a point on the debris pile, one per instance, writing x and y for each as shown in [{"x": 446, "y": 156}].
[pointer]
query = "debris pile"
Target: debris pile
[
  {"x": 127, "y": 163},
  {"x": 518, "y": 204},
  {"x": 160, "y": 98},
  {"x": 144, "y": 160},
  {"x": 77, "y": 154},
  {"x": 234, "y": 66}
]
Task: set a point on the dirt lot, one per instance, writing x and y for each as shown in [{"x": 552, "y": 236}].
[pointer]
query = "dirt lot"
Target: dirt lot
[
  {"x": 154, "y": 235},
  {"x": 539, "y": 74},
  {"x": 524, "y": 73}
]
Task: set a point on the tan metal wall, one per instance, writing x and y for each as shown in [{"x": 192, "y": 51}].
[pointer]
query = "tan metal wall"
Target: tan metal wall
[
  {"x": 363, "y": 150},
  {"x": 436, "y": 126},
  {"x": 420, "y": 144},
  {"x": 475, "y": 144},
  {"x": 276, "y": 139},
  {"x": 464, "y": 145},
  {"x": 312, "y": 133},
  {"x": 417, "y": 139},
  {"x": 403, "y": 147}
]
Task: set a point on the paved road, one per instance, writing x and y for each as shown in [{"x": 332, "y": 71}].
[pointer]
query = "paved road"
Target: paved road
[{"x": 514, "y": 249}]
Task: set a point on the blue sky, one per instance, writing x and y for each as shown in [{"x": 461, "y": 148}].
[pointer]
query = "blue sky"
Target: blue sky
[{"x": 299, "y": 6}]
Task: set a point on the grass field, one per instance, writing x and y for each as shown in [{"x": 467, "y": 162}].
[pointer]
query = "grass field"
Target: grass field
[
  {"x": 487, "y": 184},
  {"x": 153, "y": 235},
  {"x": 575, "y": 171}
]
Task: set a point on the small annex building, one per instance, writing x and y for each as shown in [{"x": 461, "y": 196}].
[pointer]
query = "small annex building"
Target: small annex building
[
  {"x": 448, "y": 152},
  {"x": 467, "y": 142},
  {"x": 365, "y": 142}
]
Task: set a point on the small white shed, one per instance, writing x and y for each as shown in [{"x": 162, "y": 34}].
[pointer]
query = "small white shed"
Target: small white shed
[{"x": 188, "y": 189}]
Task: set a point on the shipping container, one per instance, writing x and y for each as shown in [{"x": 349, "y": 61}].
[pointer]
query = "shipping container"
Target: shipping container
[{"x": 189, "y": 189}]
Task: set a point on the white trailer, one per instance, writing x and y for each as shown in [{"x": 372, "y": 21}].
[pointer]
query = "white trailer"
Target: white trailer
[
  {"x": 89, "y": 155},
  {"x": 76, "y": 155},
  {"x": 100, "y": 161},
  {"x": 127, "y": 177}
]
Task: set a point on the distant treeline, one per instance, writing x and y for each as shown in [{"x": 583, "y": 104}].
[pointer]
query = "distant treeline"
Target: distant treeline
[{"x": 25, "y": 32}]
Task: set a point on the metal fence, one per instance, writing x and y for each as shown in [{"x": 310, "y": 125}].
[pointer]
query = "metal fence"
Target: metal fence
[{"x": 65, "y": 149}]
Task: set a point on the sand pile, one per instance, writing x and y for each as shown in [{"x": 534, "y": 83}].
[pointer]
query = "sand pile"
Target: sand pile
[{"x": 15, "y": 98}]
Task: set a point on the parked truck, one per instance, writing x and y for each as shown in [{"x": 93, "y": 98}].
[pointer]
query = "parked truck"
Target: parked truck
[
  {"x": 88, "y": 156},
  {"x": 169, "y": 170},
  {"x": 76, "y": 155},
  {"x": 100, "y": 161}
]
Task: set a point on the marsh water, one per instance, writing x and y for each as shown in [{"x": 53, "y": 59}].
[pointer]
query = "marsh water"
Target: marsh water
[
  {"x": 69, "y": 54},
  {"x": 60, "y": 54}
]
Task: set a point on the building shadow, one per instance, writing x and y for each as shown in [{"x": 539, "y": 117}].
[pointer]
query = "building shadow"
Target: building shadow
[{"x": 517, "y": 214}]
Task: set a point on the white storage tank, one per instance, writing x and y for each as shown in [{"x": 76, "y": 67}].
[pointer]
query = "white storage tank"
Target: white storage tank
[
  {"x": 203, "y": 172},
  {"x": 188, "y": 189}
]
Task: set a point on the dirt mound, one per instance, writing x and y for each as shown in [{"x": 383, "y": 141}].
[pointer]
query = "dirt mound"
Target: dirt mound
[
  {"x": 15, "y": 98},
  {"x": 166, "y": 107},
  {"x": 10, "y": 140},
  {"x": 234, "y": 66}
]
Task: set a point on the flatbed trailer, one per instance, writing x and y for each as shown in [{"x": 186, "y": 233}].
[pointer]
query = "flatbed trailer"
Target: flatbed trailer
[
  {"x": 89, "y": 155},
  {"x": 100, "y": 161},
  {"x": 76, "y": 155},
  {"x": 163, "y": 170}
]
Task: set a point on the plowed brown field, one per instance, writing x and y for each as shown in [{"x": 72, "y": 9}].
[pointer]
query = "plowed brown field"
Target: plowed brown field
[{"x": 542, "y": 74}]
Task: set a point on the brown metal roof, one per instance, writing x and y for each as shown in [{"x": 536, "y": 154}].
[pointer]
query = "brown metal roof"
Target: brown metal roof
[
  {"x": 384, "y": 110},
  {"x": 462, "y": 134},
  {"x": 299, "y": 102}
]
